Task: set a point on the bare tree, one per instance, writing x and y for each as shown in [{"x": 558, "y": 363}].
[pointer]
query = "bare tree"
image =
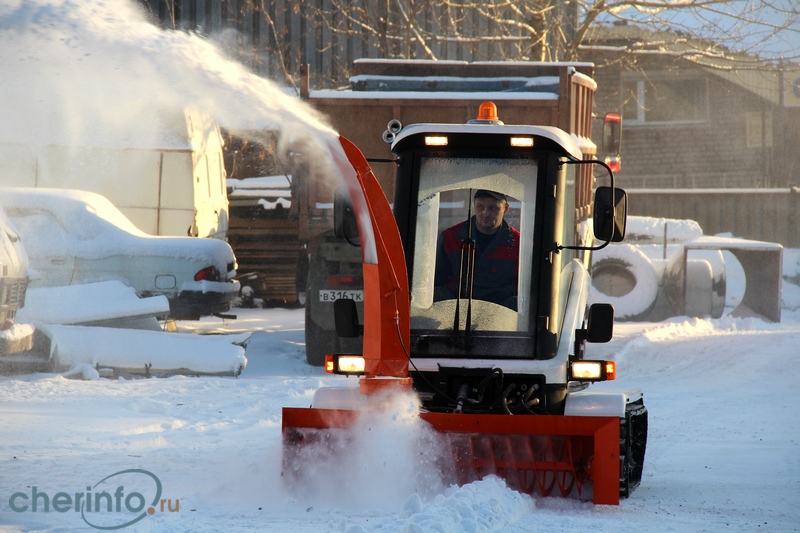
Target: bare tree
[
  {"x": 553, "y": 30},
  {"x": 715, "y": 33},
  {"x": 275, "y": 37}
]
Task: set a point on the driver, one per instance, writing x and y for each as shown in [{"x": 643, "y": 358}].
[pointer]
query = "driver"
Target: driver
[{"x": 496, "y": 254}]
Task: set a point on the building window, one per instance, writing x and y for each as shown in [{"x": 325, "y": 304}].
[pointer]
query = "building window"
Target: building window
[{"x": 655, "y": 100}]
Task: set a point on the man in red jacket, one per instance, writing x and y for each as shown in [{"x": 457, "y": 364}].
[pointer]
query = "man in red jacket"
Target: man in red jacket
[{"x": 496, "y": 254}]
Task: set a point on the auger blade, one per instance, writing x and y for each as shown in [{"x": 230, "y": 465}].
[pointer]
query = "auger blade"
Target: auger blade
[{"x": 562, "y": 456}]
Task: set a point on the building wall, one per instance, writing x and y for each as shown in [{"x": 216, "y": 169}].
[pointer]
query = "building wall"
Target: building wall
[{"x": 730, "y": 149}]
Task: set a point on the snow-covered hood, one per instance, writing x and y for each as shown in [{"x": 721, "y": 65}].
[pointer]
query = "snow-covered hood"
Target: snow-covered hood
[{"x": 87, "y": 225}]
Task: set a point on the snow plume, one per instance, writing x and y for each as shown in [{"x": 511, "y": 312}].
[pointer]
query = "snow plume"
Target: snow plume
[
  {"x": 387, "y": 455},
  {"x": 97, "y": 73}
]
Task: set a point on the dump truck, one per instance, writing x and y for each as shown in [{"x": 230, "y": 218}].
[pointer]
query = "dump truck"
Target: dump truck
[
  {"x": 14, "y": 337},
  {"x": 503, "y": 384},
  {"x": 398, "y": 92}
]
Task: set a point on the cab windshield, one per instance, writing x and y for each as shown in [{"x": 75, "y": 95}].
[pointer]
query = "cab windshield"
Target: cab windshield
[{"x": 477, "y": 212}]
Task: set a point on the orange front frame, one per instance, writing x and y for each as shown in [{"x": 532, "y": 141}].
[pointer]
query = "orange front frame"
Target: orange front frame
[{"x": 601, "y": 434}]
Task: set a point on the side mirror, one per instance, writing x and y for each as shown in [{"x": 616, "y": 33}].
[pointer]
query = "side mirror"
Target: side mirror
[
  {"x": 610, "y": 214},
  {"x": 345, "y": 315},
  {"x": 612, "y": 134},
  {"x": 600, "y": 327},
  {"x": 345, "y": 225}
]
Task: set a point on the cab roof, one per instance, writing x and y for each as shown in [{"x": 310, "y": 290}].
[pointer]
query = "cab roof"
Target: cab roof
[{"x": 566, "y": 141}]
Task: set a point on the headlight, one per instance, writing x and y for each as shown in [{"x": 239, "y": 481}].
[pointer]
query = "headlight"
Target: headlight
[
  {"x": 593, "y": 370},
  {"x": 435, "y": 140},
  {"x": 522, "y": 142},
  {"x": 344, "y": 364}
]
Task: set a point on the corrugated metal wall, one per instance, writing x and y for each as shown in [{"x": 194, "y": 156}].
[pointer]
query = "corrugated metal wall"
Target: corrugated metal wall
[{"x": 275, "y": 37}]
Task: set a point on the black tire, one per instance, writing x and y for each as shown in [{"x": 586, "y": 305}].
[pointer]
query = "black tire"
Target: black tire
[
  {"x": 632, "y": 444},
  {"x": 319, "y": 342},
  {"x": 623, "y": 276},
  {"x": 301, "y": 281}
]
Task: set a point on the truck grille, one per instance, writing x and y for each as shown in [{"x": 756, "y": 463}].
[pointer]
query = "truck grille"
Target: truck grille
[{"x": 12, "y": 293}]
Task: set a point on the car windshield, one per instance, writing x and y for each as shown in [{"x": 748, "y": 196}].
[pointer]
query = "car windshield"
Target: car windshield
[{"x": 451, "y": 190}]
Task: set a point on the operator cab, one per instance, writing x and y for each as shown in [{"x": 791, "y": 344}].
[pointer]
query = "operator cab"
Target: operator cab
[
  {"x": 512, "y": 344},
  {"x": 441, "y": 167}
]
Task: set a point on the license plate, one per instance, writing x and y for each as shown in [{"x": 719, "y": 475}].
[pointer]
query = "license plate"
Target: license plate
[{"x": 331, "y": 295}]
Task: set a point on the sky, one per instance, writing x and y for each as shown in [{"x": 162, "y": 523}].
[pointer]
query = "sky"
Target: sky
[{"x": 768, "y": 29}]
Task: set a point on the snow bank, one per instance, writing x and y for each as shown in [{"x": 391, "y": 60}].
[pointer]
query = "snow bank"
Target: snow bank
[
  {"x": 711, "y": 386},
  {"x": 483, "y": 506},
  {"x": 137, "y": 351}
]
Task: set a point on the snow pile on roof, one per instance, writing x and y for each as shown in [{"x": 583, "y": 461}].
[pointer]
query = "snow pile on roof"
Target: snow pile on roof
[
  {"x": 533, "y": 87},
  {"x": 439, "y": 95},
  {"x": 270, "y": 185},
  {"x": 280, "y": 202},
  {"x": 645, "y": 230},
  {"x": 272, "y": 191}
]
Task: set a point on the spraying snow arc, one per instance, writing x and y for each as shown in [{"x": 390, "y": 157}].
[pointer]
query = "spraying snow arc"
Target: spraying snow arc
[{"x": 99, "y": 74}]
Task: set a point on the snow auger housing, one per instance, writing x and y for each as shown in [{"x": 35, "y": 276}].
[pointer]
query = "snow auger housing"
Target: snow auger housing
[{"x": 502, "y": 379}]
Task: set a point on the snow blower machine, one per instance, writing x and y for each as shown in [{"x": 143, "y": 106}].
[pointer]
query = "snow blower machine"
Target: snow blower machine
[{"x": 485, "y": 321}]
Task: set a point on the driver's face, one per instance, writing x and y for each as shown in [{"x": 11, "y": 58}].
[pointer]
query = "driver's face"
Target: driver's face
[{"x": 489, "y": 214}]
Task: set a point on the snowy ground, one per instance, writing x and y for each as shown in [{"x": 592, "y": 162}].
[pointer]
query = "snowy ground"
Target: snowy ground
[{"x": 723, "y": 451}]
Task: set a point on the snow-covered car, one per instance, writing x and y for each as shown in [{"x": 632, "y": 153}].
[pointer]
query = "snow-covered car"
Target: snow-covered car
[
  {"x": 14, "y": 337},
  {"x": 73, "y": 237}
]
